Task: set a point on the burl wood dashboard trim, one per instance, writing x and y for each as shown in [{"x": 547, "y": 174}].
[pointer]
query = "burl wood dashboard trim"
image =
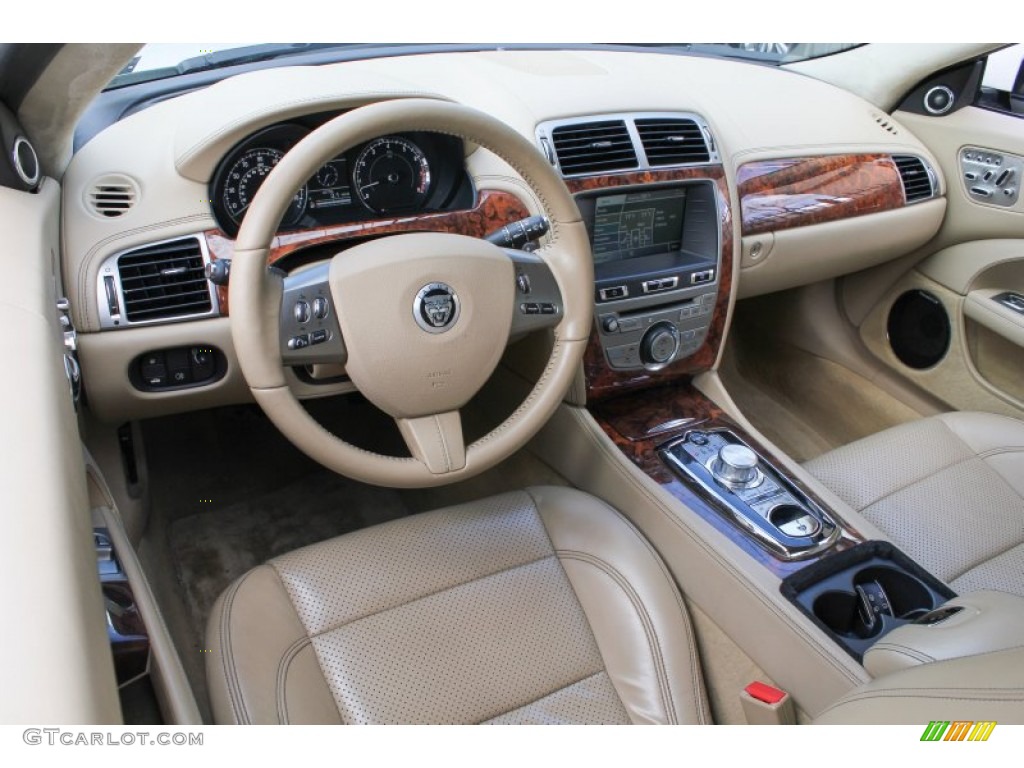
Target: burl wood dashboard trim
[
  {"x": 799, "y": 191},
  {"x": 602, "y": 380},
  {"x": 639, "y": 423},
  {"x": 493, "y": 210}
]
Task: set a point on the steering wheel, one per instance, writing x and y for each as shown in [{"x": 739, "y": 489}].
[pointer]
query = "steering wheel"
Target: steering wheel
[{"x": 420, "y": 320}]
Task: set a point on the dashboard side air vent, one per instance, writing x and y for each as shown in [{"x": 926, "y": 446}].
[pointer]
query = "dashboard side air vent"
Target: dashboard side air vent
[
  {"x": 919, "y": 182},
  {"x": 594, "y": 147},
  {"x": 112, "y": 196},
  {"x": 672, "y": 141},
  {"x": 164, "y": 280}
]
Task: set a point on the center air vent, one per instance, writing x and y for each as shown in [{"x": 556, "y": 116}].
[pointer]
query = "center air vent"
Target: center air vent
[
  {"x": 603, "y": 144},
  {"x": 157, "y": 282},
  {"x": 669, "y": 141},
  {"x": 112, "y": 196},
  {"x": 918, "y": 179},
  {"x": 594, "y": 147}
]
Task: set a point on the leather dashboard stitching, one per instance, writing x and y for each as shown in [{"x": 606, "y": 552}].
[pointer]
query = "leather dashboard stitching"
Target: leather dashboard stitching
[{"x": 645, "y": 621}]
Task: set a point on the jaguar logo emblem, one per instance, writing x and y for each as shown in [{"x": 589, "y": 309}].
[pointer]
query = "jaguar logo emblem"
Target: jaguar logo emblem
[{"x": 436, "y": 307}]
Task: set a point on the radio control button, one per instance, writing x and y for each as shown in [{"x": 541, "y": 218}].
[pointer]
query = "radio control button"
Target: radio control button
[{"x": 630, "y": 324}]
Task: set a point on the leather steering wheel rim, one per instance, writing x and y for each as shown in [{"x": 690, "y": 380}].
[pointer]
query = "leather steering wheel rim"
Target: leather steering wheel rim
[{"x": 255, "y": 293}]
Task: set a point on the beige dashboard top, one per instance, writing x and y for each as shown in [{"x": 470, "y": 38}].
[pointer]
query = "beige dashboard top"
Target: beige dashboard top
[{"x": 171, "y": 149}]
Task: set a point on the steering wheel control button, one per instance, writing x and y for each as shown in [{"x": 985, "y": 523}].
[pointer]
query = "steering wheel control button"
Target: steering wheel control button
[
  {"x": 302, "y": 312},
  {"x": 530, "y": 308},
  {"x": 299, "y": 342},
  {"x": 319, "y": 337},
  {"x": 548, "y": 309},
  {"x": 321, "y": 308},
  {"x": 523, "y": 283},
  {"x": 436, "y": 307}
]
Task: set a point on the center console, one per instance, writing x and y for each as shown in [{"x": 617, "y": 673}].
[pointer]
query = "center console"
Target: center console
[{"x": 656, "y": 264}]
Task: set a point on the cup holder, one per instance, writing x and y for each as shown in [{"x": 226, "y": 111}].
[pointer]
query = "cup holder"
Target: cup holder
[
  {"x": 906, "y": 594},
  {"x": 860, "y": 594},
  {"x": 839, "y": 611}
]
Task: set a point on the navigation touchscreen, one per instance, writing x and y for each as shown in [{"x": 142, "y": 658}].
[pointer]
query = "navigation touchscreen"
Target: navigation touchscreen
[{"x": 640, "y": 224}]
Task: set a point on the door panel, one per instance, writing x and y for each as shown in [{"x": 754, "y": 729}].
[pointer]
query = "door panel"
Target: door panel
[
  {"x": 977, "y": 254},
  {"x": 56, "y": 665}
]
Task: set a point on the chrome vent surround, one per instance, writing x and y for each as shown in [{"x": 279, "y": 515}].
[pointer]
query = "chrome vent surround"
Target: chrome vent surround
[
  {"x": 638, "y": 141},
  {"x": 156, "y": 283},
  {"x": 919, "y": 179},
  {"x": 112, "y": 196}
]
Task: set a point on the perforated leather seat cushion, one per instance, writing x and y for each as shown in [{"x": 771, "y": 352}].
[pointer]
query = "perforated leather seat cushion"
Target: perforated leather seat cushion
[
  {"x": 948, "y": 490},
  {"x": 538, "y": 606}
]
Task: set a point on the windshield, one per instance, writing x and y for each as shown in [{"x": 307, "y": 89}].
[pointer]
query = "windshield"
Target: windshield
[{"x": 159, "y": 60}]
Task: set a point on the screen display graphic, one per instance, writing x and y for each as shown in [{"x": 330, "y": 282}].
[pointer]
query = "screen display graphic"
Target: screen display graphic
[{"x": 641, "y": 224}]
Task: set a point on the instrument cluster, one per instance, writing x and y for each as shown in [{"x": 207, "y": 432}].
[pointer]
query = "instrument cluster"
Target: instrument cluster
[{"x": 399, "y": 174}]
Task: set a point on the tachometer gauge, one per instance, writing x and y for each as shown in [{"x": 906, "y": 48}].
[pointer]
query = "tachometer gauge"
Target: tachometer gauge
[
  {"x": 244, "y": 179},
  {"x": 391, "y": 174}
]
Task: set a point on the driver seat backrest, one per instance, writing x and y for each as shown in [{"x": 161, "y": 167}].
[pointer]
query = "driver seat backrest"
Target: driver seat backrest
[{"x": 538, "y": 606}]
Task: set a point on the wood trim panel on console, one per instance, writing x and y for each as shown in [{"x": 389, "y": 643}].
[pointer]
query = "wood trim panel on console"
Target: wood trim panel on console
[
  {"x": 493, "y": 210},
  {"x": 640, "y": 422},
  {"x": 796, "y": 192},
  {"x": 602, "y": 380}
]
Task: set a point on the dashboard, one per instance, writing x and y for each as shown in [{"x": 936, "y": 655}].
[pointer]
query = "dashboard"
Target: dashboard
[
  {"x": 399, "y": 174},
  {"x": 676, "y": 243}
]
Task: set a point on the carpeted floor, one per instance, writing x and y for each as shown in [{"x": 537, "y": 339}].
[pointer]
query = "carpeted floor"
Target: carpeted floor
[
  {"x": 228, "y": 492},
  {"x": 212, "y": 548}
]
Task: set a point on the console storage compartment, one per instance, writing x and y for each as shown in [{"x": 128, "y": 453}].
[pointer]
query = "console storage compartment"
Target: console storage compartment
[{"x": 861, "y": 594}]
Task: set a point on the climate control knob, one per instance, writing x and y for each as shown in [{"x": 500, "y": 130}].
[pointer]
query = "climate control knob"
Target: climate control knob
[
  {"x": 736, "y": 465},
  {"x": 659, "y": 345}
]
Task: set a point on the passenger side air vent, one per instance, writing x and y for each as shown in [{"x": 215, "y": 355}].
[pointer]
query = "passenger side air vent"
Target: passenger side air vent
[
  {"x": 594, "y": 147},
  {"x": 164, "y": 280},
  {"x": 668, "y": 141},
  {"x": 112, "y": 196},
  {"x": 918, "y": 179}
]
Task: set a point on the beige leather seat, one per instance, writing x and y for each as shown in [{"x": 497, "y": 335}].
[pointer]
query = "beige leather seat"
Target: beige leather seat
[
  {"x": 539, "y": 606},
  {"x": 948, "y": 490}
]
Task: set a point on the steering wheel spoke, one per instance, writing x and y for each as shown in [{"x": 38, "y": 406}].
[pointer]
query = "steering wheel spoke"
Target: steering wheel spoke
[
  {"x": 309, "y": 329},
  {"x": 538, "y": 299},
  {"x": 436, "y": 441}
]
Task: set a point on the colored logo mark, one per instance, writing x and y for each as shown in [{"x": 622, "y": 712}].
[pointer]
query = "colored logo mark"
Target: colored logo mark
[{"x": 958, "y": 730}]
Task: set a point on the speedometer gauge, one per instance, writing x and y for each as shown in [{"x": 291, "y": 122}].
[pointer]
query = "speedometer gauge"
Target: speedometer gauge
[
  {"x": 391, "y": 174},
  {"x": 244, "y": 179}
]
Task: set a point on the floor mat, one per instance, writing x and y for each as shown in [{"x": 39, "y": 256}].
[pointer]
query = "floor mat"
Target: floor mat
[{"x": 212, "y": 548}]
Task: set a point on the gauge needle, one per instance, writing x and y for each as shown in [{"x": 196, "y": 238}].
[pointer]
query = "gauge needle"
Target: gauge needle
[{"x": 367, "y": 186}]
